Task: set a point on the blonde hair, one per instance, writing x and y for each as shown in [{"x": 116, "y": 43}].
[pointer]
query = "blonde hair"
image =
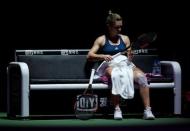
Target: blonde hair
[{"x": 112, "y": 18}]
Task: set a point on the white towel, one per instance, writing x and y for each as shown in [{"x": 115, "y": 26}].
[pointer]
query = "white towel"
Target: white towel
[
  {"x": 100, "y": 71},
  {"x": 122, "y": 81},
  {"x": 122, "y": 76}
]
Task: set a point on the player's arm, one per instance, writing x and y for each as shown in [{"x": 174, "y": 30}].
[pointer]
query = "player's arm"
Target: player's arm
[
  {"x": 129, "y": 51},
  {"x": 92, "y": 54}
]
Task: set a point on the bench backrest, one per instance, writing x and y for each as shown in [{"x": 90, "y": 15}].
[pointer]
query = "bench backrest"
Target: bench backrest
[{"x": 67, "y": 64}]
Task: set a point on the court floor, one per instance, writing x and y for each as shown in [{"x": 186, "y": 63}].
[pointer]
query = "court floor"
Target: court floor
[{"x": 95, "y": 123}]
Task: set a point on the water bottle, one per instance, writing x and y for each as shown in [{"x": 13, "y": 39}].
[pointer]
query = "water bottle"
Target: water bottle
[{"x": 156, "y": 69}]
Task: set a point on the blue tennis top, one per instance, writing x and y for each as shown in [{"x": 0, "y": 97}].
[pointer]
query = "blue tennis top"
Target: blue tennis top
[{"x": 110, "y": 48}]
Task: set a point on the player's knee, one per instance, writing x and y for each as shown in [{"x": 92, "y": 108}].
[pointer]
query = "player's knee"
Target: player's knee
[
  {"x": 108, "y": 71},
  {"x": 141, "y": 80}
]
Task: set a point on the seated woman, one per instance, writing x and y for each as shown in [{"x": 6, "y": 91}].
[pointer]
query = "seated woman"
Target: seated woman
[{"x": 111, "y": 43}]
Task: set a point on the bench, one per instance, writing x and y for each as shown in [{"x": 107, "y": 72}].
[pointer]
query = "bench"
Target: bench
[{"x": 68, "y": 70}]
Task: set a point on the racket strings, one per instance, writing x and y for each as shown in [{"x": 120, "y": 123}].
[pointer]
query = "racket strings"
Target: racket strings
[{"x": 144, "y": 40}]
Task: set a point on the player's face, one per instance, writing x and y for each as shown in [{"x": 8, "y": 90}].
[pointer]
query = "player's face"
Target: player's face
[{"x": 115, "y": 29}]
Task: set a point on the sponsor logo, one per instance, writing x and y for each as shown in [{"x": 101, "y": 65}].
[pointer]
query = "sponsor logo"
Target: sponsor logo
[
  {"x": 140, "y": 51},
  {"x": 103, "y": 101},
  {"x": 69, "y": 52},
  {"x": 34, "y": 52},
  {"x": 87, "y": 102}
]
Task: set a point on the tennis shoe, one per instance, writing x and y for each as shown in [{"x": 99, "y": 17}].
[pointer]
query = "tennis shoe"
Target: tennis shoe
[
  {"x": 118, "y": 114},
  {"x": 148, "y": 115}
]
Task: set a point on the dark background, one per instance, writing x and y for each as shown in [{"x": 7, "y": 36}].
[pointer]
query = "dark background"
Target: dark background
[{"x": 76, "y": 24}]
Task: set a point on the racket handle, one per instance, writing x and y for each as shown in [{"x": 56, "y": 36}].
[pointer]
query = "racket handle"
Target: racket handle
[{"x": 92, "y": 76}]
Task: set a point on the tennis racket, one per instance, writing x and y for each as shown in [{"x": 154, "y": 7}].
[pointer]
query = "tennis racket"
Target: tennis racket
[
  {"x": 87, "y": 103},
  {"x": 143, "y": 41}
]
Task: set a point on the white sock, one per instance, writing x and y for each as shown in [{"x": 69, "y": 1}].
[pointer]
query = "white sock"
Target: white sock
[
  {"x": 117, "y": 108},
  {"x": 148, "y": 108}
]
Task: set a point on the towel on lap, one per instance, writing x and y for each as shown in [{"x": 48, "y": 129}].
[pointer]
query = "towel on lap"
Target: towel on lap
[
  {"x": 122, "y": 76},
  {"x": 122, "y": 81}
]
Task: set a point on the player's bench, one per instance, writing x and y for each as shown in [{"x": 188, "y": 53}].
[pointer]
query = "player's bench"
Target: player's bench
[{"x": 68, "y": 70}]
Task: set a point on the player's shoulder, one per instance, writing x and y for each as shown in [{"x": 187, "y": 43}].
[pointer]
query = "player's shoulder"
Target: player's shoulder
[
  {"x": 124, "y": 37},
  {"x": 100, "y": 39}
]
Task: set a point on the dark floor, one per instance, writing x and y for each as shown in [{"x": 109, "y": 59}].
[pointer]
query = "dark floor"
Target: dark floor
[{"x": 129, "y": 122}]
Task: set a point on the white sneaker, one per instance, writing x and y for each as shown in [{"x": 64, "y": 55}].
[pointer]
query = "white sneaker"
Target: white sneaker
[
  {"x": 148, "y": 115},
  {"x": 118, "y": 114}
]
